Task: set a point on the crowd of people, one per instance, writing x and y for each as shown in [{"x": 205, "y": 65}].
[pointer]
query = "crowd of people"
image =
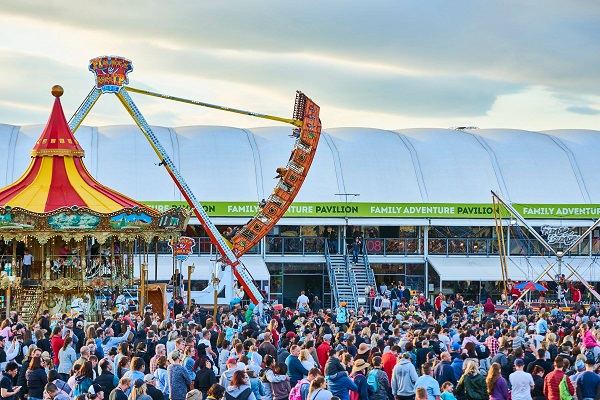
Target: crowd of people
[{"x": 404, "y": 351}]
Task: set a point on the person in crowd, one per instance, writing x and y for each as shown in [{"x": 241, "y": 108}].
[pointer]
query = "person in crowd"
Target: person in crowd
[
  {"x": 427, "y": 381},
  {"x": 178, "y": 377},
  {"x": 472, "y": 385},
  {"x": 205, "y": 377},
  {"x": 521, "y": 382},
  {"x": 497, "y": 387},
  {"x": 240, "y": 389},
  {"x": 151, "y": 390}
]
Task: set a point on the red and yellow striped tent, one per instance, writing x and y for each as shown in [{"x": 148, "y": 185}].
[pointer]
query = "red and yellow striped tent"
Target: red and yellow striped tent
[{"x": 57, "y": 177}]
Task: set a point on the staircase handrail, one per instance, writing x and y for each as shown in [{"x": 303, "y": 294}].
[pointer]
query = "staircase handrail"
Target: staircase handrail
[
  {"x": 370, "y": 273},
  {"x": 352, "y": 280},
  {"x": 332, "y": 281}
]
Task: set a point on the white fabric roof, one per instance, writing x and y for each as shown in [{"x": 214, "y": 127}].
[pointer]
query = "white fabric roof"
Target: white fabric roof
[
  {"x": 519, "y": 268},
  {"x": 409, "y": 165},
  {"x": 473, "y": 269}
]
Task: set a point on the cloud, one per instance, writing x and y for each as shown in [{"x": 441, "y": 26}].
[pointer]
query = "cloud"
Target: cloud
[
  {"x": 408, "y": 60},
  {"x": 583, "y": 110}
]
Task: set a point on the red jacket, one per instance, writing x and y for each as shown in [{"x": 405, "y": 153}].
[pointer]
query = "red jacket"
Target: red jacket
[
  {"x": 551, "y": 382},
  {"x": 575, "y": 293},
  {"x": 56, "y": 343},
  {"x": 323, "y": 354},
  {"x": 388, "y": 361},
  {"x": 438, "y": 303}
]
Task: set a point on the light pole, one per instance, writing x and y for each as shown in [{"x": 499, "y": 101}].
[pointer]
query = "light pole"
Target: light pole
[
  {"x": 559, "y": 256},
  {"x": 346, "y": 195},
  {"x": 191, "y": 269}
]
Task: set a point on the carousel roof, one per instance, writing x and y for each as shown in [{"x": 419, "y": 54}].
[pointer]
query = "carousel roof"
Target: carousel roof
[{"x": 57, "y": 177}]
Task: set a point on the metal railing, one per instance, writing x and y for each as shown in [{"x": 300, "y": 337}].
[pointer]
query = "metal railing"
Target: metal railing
[
  {"x": 285, "y": 245},
  {"x": 465, "y": 246},
  {"x": 203, "y": 247},
  {"x": 387, "y": 246},
  {"x": 370, "y": 273},
  {"x": 332, "y": 282},
  {"x": 352, "y": 281}
]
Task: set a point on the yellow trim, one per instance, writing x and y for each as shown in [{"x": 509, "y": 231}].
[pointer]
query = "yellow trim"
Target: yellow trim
[
  {"x": 18, "y": 181},
  {"x": 34, "y": 196},
  {"x": 93, "y": 198},
  {"x": 57, "y": 152}
]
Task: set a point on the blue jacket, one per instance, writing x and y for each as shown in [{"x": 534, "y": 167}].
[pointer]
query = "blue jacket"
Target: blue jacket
[
  {"x": 340, "y": 385},
  {"x": 364, "y": 389},
  {"x": 457, "y": 365},
  {"x": 296, "y": 370},
  {"x": 444, "y": 372}
]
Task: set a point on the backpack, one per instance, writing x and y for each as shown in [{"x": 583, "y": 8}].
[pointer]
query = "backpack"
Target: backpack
[
  {"x": 296, "y": 392},
  {"x": 372, "y": 380},
  {"x": 243, "y": 396},
  {"x": 563, "y": 388}
]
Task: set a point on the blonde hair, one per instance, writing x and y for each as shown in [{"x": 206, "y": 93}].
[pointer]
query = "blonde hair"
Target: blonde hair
[
  {"x": 304, "y": 355},
  {"x": 471, "y": 366}
]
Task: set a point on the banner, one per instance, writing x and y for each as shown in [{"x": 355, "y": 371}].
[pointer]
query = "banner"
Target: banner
[{"x": 393, "y": 210}]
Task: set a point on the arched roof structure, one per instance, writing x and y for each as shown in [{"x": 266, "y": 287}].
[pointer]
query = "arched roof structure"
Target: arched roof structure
[{"x": 383, "y": 166}]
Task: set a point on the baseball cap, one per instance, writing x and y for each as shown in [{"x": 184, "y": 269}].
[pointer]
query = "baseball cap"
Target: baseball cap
[
  {"x": 455, "y": 346},
  {"x": 579, "y": 365},
  {"x": 519, "y": 362},
  {"x": 95, "y": 389},
  {"x": 79, "y": 323},
  {"x": 231, "y": 361},
  {"x": 327, "y": 336},
  {"x": 2, "y": 338},
  {"x": 149, "y": 378}
]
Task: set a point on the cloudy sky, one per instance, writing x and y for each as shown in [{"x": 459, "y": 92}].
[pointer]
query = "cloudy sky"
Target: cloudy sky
[{"x": 388, "y": 64}]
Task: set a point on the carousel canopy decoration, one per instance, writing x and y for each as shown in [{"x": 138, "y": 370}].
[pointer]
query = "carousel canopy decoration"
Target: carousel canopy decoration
[{"x": 58, "y": 194}]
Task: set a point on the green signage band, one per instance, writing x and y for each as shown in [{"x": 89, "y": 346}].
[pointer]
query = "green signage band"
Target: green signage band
[{"x": 394, "y": 210}]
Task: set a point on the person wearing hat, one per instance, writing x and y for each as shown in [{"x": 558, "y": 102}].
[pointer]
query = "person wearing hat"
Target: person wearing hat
[
  {"x": 193, "y": 395},
  {"x": 179, "y": 379},
  {"x": 588, "y": 382},
  {"x": 96, "y": 392},
  {"x": 138, "y": 391},
  {"x": 363, "y": 351},
  {"x": 227, "y": 375},
  {"x": 341, "y": 316},
  {"x": 323, "y": 350},
  {"x": 521, "y": 382},
  {"x": 404, "y": 377},
  {"x": 358, "y": 376},
  {"x": 151, "y": 390}
]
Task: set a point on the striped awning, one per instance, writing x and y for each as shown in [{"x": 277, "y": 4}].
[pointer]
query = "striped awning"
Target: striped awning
[{"x": 57, "y": 177}]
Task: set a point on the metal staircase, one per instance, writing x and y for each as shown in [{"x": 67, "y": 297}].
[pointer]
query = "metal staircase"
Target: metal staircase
[
  {"x": 347, "y": 280},
  {"x": 363, "y": 275},
  {"x": 341, "y": 280}
]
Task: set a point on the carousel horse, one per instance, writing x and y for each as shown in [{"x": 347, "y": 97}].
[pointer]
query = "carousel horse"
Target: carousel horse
[
  {"x": 81, "y": 306},
  {"x": 121, "y": 303}
]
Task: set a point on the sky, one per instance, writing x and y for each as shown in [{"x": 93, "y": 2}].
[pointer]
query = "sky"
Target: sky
[{"x": 383, "y": 64}]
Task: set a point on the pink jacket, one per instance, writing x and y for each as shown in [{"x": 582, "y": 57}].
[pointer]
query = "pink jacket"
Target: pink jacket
[{"x": 589, "y": 340}]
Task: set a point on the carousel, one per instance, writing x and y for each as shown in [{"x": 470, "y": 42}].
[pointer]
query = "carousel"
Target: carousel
[{"x": 70, "y": 244}]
